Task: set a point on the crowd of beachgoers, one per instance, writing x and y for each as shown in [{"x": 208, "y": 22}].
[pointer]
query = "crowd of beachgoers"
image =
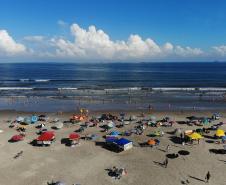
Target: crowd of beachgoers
[{"x": 120, "y": 133}]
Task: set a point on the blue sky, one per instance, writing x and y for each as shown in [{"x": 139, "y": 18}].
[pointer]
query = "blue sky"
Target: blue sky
[{"x": 197, "y": 24}]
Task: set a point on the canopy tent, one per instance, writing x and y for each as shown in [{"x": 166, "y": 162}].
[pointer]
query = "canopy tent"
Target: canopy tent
[
  {"x": 46, "y": 136},
  {"x": 195, "y": 136},
  {"x": 111, "y": 139},
  {"x": 124, "y": 144},
  {"x": 74, "y": 136},
  {"x": 220, "y": 133}
]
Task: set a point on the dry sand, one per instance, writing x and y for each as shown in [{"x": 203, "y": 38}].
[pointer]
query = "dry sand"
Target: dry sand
[{"x": 86, "y": 164}]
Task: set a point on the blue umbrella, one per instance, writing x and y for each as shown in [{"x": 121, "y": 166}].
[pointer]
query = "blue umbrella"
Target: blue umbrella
[
  {"x": 223, "y": 138},
  {"x": 114, "y": 133},
  {"x": 34, "y": 119}
]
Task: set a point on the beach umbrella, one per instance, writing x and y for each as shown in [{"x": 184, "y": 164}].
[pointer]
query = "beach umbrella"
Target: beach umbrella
[
  {"x": 178, "y": 131},
  {"x": 114, "y": 133},
  {"x": 46, "y": 136},
  {"x": 74, "y": 136},
  {"x": 220, "y": 133},
  {"x": 224, "y": 146},
  {"x": 151, "y": 142},
  {"x": 152, "y": 118},
  {"x": 19, "y": 119},
  {"x": 195, "y": 136},
  {"x": 59, "y": 125},
  {"x": 34, "y": 119},
  {"x": 17, "y": 138},
  {"x": 223, "y": 139},
  {"x": 110, "y": 124},
  {"x": 27, "y": 120}
]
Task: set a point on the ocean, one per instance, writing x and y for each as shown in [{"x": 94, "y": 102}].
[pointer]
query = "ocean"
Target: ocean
[{"x": 124, "y": 85}]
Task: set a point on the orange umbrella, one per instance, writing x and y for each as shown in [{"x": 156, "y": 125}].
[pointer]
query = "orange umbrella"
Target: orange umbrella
[{"x": 151, "y": 142}]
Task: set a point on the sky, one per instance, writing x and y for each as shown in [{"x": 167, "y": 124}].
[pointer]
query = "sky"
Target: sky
[{"x": 112, "y": 30}]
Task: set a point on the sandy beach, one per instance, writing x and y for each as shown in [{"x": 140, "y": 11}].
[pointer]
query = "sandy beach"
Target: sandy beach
[{"x": 86, "y": 164}]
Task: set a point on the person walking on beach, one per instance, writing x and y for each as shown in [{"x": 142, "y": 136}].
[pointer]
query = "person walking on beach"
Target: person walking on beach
[
  {"x": 207, "y": 177},
  {"x": 167, "y": 148},
  {"x": 166, "y": 162}
]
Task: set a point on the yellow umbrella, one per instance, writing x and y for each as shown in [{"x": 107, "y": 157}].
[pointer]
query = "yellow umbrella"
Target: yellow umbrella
[
  {"x": 195, "y": 136},
  {"x": 220, "y": 133}
]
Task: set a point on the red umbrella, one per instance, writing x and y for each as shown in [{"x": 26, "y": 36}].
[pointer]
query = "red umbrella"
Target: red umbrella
[
  {"x": 74, "y": 136},
  {"x": 17, "y": 138},
  {"x": 46, "y": 136}
]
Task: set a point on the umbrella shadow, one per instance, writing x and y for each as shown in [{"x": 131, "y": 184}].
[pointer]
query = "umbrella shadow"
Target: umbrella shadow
[
  {"x": 209, "y": 141},
  {"x": 65, "y": 141},
  {"x": 196, "y": 178},
  {"x": 217, "y": 151},
  {"x": 110, "y": 147},
  {"x": 175, "y": 140},
  {"x": 208, "y": 137}
]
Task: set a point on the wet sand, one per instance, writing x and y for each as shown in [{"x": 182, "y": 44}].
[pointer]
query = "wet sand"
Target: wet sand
[{"x": 86, "y": 164}]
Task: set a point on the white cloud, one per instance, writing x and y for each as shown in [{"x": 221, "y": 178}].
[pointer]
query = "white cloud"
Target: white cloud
[
  {"x": 34, "y": 38},
  {"x": 96, "y": 44},
  {"x": 8, "y": 46},
  {"x": 220, "y": 50}
]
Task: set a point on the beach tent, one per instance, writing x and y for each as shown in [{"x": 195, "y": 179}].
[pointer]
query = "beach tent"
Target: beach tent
[
  {"x": 34, "y": 119},
  {"x": 124, "y": 144},
  {"x": 19, "y": 119},
  {"x": 16, "y": 138},
  {"x": 195, "y": 136},
  {"x": 220, "y": 133}
]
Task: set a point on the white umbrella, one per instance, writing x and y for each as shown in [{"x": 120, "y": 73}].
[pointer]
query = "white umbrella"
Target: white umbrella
[
  {"x": 19, "y": 119},
  {"x": 59, "y": 125}
]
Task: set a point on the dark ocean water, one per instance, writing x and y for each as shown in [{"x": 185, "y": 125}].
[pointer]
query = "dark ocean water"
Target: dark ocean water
[
  {"x": 57, "y": 86},
  {"x": 101, "y": 76}
]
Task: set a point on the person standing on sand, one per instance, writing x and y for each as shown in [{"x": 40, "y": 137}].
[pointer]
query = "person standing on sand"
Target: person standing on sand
[
  {"x": 207, "y": 177},
  {"x": 167, "y": 148},
  {"x": 166, "y": 162}
]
